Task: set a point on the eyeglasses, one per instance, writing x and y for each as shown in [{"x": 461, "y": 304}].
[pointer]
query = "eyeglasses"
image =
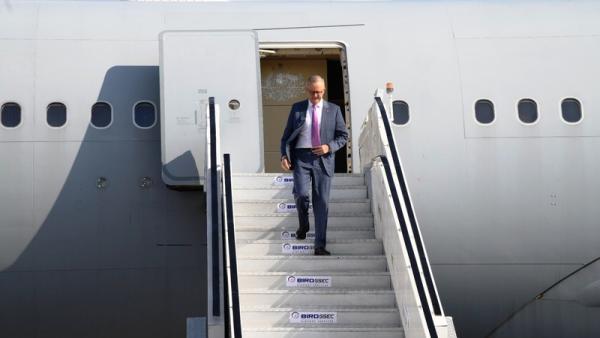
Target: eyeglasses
[{"x": 316, "y": 92}]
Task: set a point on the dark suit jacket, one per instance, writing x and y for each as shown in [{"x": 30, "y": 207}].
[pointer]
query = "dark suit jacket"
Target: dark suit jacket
[{"x": 333, "y": 131}]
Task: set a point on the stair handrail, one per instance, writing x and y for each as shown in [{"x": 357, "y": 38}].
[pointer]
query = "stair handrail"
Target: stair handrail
[
  {"x": 220, "y": 230},
  {"x": 213, "y": 209},
  {"x": 377, "y": 143},
  {"x": 233, "y": 323},
  {"x": 433, "y": 293}
]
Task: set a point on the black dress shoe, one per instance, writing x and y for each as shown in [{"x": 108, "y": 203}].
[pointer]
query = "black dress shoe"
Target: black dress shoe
[
  {"x": 300, "y": 234},
  {"x": 322, "y": 252}
]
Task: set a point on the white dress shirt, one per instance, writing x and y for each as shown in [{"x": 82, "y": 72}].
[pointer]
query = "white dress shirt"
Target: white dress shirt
[{"x": 304, "y": 138}]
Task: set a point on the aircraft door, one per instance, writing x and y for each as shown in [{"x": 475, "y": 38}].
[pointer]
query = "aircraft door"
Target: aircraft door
[{"x": 196, "y": 65}]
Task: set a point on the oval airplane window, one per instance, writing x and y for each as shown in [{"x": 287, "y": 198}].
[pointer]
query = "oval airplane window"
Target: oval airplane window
[
  {"x": 484, "y": 111},
  {"x": 571, "y": 110},
  {"x": 56, "y": 114},
  {"x": 101, "y": 115},
  {"x": 11, "y": 115},
  {"x": 401, "y": 112},
  {"x": 144, "y": 115},
  {"x": 528, "y": 112}
]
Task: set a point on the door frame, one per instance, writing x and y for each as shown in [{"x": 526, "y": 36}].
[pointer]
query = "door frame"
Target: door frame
[{"x": 265, "y": 45}]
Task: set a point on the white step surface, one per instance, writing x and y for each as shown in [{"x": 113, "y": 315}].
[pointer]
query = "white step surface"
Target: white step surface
[
  {"x": 269, "y": 180},
  {"x": 324, "y": 333},
  {"x": 298, "y": 263},
  {"x": 271, "y": 221},
  {"x": 244, "y": 207},
  {"x": 279, "y": 192},
  {"x": 338, "y": 280},
  {"x": 277, "y": 281},
  {"x": 338, "y": 247},
  {"x": 346, "y": 317},
  {"x": 331, "y": 298},
  {"x": 290, "y": 234}
]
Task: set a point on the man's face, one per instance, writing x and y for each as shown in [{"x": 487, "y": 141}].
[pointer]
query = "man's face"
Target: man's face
[{"x": 315, "y": 91}]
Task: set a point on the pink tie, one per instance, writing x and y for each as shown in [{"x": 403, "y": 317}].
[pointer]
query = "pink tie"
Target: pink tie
[{"x": 314, "y": 133}]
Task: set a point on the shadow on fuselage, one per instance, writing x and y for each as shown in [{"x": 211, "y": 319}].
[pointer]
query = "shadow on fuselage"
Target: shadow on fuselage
[{"x": 119, "y": 258}]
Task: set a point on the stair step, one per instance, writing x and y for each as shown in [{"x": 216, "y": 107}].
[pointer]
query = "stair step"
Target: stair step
[
  {"x": 271, "y": 221},
  {"x": 344, "y": 317},
  {"x": 337, "y": 297},
  {"x": 243, "y": 207},
  {"x": 301, "y": 264},
  {"x": 291, "y": 234},
  {"x": 278, "y": 192},
  {"x": 339, "y": 280},
  {"x": 280, "y": 278},
  {"x": 267, "y": 180},
  {"x": 306, "y": 247},
  {"x": 383, "y": 332}
]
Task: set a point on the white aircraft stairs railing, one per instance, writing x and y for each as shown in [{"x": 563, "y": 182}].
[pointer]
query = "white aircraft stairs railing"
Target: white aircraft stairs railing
[
  {"x": 264, "y": 283},
  {"x": 395, "y": 222}
]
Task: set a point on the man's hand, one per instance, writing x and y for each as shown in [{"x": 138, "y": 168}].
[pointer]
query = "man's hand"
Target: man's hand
[
  {"x": 285, "y": 163},
  {"x": 321, "y": 150}
]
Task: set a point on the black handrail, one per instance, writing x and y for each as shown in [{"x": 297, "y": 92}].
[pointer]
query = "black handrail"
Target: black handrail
[
  {"x": 224, "y": 267},
  {"x": 216, "y": 304},
  {"x": 235, "y": 299},
  {"x": 437, "y": 309},
  {"x": 407, "y": 243}
]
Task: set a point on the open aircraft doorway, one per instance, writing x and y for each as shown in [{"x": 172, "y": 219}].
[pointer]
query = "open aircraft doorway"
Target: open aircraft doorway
[{"x": 284, "y": 70}]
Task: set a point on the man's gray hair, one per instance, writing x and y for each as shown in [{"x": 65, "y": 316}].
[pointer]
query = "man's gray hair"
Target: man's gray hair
[{"x": 313, "y": 79}]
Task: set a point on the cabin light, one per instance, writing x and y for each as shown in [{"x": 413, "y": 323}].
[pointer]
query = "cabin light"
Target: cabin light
[
  {"x": 145, "y": 182},
  {"x": 266, "y": 52},
  {"x": 101, "y": 183},
  {"x": 234, "y": 104}
]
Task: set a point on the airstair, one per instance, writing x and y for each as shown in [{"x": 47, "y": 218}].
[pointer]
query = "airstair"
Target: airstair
[
  {"x": 286, "y": 291},
  {"x": 265, "y": 283}
]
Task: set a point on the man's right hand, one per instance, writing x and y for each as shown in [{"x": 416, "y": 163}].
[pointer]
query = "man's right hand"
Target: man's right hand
[{"x": 285, "y": 164}]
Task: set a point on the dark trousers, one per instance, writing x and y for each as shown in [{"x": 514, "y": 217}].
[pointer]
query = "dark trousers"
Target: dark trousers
[{"x": 308, "y": 168}]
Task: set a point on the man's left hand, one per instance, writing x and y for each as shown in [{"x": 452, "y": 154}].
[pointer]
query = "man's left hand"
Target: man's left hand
[{"x": 321, "y": 150}]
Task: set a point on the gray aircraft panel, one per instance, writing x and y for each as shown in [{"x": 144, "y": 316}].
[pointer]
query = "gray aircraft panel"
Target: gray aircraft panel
[
  {"x": 56, "y": 80},
  {"x": 16, "y": 180},
  {"x": 17, "y": 65},
  {"x": 531, "y": 61},
  {"x": 17, "y": 291},
  {"x": 63, "y": 298},
  {"x": 513, "y": 224},
  {"x": 97, "y": 20},
  {"x": 473, "y": 285},
  {"x": 96, "y": 303},
  {"x": 20, "y": 24},
  {"x": 559, "y": 316},
  {"x": 570, "y": 309},
  {"x": 527, "y": 19}
]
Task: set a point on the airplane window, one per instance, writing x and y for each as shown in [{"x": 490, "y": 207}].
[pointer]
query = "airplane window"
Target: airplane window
[
  {"x": 571, "y": 110},
  {"x": 11, "y": 115},
  {"x": 401, "y": 114},
  {"x": 144, "y": 115},
  {"x": 528, "y": 112},
  {"x": 56, "y": 114},
  {"x": 101, "y": 115},
  {"x": 484, "y": 111}
]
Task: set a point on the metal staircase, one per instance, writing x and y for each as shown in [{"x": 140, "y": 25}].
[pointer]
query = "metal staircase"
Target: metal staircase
[
  {"x": 265, "y": 283},
  {"x": 284, "y": 290}
]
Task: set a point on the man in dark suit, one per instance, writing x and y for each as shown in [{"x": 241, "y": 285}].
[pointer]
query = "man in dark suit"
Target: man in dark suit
[{"x": 315, "y": 130}]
